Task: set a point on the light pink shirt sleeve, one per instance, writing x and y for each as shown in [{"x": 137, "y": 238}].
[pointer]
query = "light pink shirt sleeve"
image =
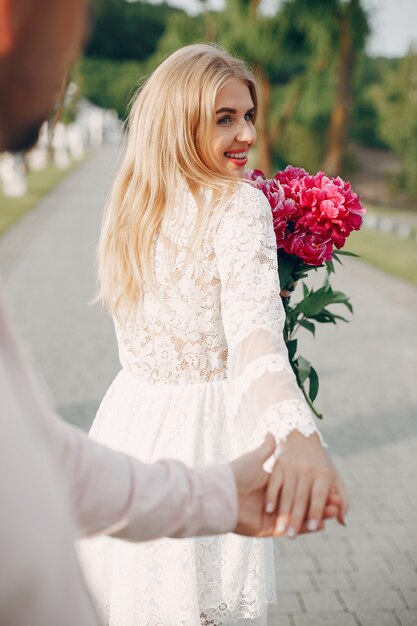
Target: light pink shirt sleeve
[{"x": 112, "y": 493}]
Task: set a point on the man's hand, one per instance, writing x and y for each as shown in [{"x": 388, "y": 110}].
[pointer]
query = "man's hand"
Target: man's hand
[{"x": 252, "y": 482}]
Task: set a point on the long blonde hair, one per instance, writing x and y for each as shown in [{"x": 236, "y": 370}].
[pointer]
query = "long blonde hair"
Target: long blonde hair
[{"x": 169, "y": 131}]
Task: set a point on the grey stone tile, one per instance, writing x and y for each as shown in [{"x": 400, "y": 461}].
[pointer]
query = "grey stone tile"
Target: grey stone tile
[
  {"x": 377, "y": 580},
  {"x": 407, "y": 618},
  {"x": 324, "y": 600},
  {"x": 296, "y": 581},
  {"x": 278, "y": 619},
  {"x": 402, "y": 579},
  {"x": 325, "y": 619},
  {"x": 332, "y": 580},
  {"x": 410, "y": 596},
  {"x": 401, "y": 562},
  {"x": 378, "y": 600},
  {"x": 339, "y": 563},
  {"x": 370, "y": 562},
  {"x": 287, "y": 603},
  {"x": 377, "y": 618}
]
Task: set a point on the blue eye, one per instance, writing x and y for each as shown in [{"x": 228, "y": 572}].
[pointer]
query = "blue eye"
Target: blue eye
[
  {"x": 249, "y": 116},
  {"x": 224, "y": 120}
]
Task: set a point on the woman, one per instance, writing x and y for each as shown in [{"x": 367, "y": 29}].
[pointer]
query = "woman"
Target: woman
[{"x": 187, "y": 266}]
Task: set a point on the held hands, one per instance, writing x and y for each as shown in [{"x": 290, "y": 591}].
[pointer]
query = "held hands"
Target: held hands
[
  {"x": 303, "y": 481},
  {"x": 304, "y": 487}
]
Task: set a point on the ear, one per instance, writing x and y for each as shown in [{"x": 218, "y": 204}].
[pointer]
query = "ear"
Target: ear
[{"x": 6, "y": 37}]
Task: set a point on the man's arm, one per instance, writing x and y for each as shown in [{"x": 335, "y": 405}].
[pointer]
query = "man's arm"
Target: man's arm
[{"x": 112, "y": 493}]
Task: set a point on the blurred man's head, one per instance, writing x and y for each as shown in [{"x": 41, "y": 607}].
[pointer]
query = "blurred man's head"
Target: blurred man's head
[{"x": 39, "y": 40}]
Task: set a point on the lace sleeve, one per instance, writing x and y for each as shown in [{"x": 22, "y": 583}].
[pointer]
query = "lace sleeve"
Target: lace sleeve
[{"x": 253, "y": 319}]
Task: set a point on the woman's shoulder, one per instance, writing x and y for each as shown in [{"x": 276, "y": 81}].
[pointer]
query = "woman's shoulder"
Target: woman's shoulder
[{"x": 247, "y": 200}]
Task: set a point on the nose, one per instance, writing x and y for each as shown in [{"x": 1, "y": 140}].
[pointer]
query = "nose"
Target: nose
[{"x": 246, "y": 133}]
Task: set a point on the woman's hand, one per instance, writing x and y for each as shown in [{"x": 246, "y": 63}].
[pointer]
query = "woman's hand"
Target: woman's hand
[
  {"x": 252, "y": 483},
  {"x": 304, "y": 483}
]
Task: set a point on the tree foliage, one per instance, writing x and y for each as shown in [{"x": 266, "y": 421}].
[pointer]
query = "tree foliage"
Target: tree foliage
[
  {"x": 127, "y": 31},
  {"x": 395, "y": 100},
  {"x": 111, "y": 84}
]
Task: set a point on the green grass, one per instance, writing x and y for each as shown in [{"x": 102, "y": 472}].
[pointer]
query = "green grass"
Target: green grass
[
  {"x": 39, "y": 184},
  {"x": 389, "y": 211},
  {"x": 386, "y": 251}
]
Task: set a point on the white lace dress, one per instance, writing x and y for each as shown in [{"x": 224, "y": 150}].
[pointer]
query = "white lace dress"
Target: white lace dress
[{"x": 204, "y": 376}]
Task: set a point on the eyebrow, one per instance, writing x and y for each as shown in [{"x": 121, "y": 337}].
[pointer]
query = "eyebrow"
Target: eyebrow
[{"x": 228, "y": 110}]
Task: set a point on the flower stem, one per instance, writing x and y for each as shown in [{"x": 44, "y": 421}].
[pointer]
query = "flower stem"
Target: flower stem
[{"x": 310, "y": 404}]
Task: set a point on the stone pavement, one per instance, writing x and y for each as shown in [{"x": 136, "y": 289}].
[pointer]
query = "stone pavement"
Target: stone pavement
[{"x": 364, "y": 574}]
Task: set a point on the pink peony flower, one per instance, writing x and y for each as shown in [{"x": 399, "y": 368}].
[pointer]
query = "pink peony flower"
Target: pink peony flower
[
  {"x": 312, "y": 249},
  {"x": 311, "y": 214}
]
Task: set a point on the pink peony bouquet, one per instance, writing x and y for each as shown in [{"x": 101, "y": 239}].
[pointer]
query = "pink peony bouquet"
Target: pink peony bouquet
[{"x": 312, "y": 215}]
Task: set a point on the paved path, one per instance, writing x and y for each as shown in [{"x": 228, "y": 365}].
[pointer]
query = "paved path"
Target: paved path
[{"x": 363, "y": 575}]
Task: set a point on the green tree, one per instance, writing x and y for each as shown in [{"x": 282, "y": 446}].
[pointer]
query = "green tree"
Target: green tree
[
  {"x": 395, "y": 99},
  {"x": 111, "y": 84},
  {"x": 365, "y": 117},
  {"x": 121, "y": 50},
  {"x": 127, "y": 31},
  {"x": 352, "y": 27}
]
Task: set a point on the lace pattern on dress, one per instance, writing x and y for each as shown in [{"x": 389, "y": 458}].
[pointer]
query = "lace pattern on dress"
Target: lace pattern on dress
[
  {"x": 281, "y": 419},
  {"x": 252, "y": 372}
]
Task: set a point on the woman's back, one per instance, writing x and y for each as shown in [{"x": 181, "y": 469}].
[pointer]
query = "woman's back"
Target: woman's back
[{"x": 176, "y": 336}]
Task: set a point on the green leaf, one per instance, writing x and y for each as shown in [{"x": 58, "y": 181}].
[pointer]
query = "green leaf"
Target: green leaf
[
  {"x": 340, "y": 317},
  {"x": 304, "y": 368},
  {"x": 324, "y": 317},
  {"x": 292, "y": 348},
  {"x": 285, "y": 268},
  {"x": 330, "y": 267},
  {"x": 314, "y": 384},
  {"x": 342, "y": 298},
  {"x": 345, "y": 253},
  {"x": 294, "y": 365},
  {"x": 309, "y": 326},
  {"x": 305, "y": 290},
  {"x": 317, "y": 300}
]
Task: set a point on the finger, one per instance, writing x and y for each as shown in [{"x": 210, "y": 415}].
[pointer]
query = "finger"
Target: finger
[
  {"x": 304, "y": 529},
  {"x": 334, "y": 497},
  {"x": 344, "y": 502},
  {"x": 285, "y": 503},
  {"x": 299, "y": 507},
  {"x": 267, "y": 449},
  {"x": 330, "y": 510},
  {"x": 257, "y": 459},
  {"x": 273, "y": 489},
  {"x": 268, "y": 525},
  {"x": 338, "y": 496},
  {"x": 319, "y": 496}
]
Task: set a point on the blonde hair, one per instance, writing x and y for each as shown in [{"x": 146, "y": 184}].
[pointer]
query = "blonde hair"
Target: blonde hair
[{"x": 169, "y": 131}]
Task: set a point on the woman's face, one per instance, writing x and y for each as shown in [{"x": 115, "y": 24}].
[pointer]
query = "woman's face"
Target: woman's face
[{"x": 234, "y": 133}]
